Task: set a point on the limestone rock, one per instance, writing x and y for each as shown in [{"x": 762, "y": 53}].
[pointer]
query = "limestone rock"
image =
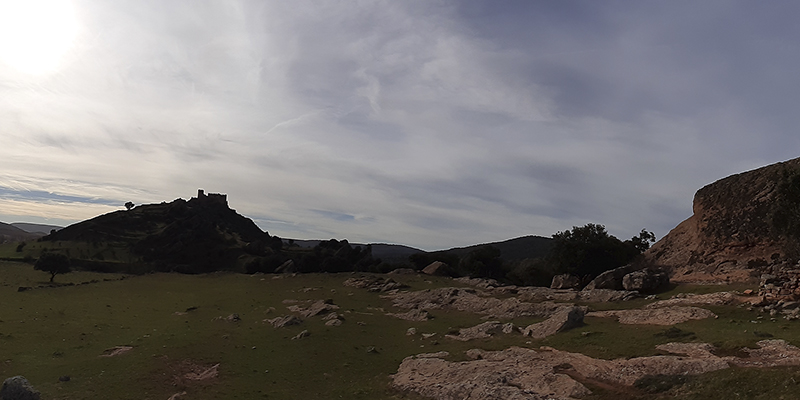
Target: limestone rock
[
  {"x": 481, "y": 331},
  {"x": 474, "y": 301},
  {"x": 374, "y": 283},
  {"x": 645, "y": 281},
  {"x": 565, "y": 319},
  {"x": 738, "y": 228},
  {"x": 437, "y": 268},
  {"x": 565, "y": 281},
  {"x": 611, "y": 279},
  {"x": 18, "y": 388},
  {"x": 415, "y": 314},
  {"x": 287, "y": 320},
  {"x": 303, "y": 334},
  {"x": 655, "y": 316}
]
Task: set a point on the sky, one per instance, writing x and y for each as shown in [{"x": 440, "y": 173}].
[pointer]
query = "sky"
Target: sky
[{"x": 430, "y": 123}]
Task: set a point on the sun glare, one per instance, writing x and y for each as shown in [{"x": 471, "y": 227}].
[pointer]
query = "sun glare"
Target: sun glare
[{"x": 35, "y": 34}]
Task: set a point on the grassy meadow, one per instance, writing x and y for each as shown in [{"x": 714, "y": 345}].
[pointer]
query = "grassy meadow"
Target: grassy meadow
[{"x": 172, "y": 323}]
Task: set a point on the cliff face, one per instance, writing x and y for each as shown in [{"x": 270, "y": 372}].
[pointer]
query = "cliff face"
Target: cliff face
[{"x": 742, "y": 225}]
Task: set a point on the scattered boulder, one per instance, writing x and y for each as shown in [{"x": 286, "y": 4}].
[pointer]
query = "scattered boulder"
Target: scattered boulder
[
  {"x": 303, "y": 334},
  {"x": 565, "y": 319},
  {"x": 565, "y": 281},
  {"x": 206, "y": 374},
  {"x": 481, "y": 331},
  {"x": 656, "y": 316},
  {"x": 437, "y": 268},
  {"x": 288, "y": 320},
  {"x": 333, "y": 319},
  {"x": 233, "y": 318},
  {"x": 611, "y": 279},
  {"x": 18, "y": 388},
  {"x": 319, "y": 307},
  {"x": 646, "y": 280},
  {"x": 415, "y": 314},
  {"x": 116, "y": 351},
  {"x": 374, "y": 283}
]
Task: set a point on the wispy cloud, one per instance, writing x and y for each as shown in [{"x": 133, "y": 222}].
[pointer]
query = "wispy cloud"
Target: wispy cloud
[{"x": 433, "y": 124}]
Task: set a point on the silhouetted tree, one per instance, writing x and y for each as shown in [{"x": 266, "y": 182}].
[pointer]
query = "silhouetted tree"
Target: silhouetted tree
[
  {"x": 54, "y": 263},
  {"x": 129, "y": 205},
  {"x": 589, "y": 250}
]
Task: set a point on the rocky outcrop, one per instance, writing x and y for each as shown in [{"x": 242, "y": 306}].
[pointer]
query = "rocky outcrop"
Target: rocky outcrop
[
  {"x": 474, "y": 301},
  {"x": 740, "y": 225},
  {"x": 655, "y": 316},
  {"x": 518, "y": 373},
  {"x": 18, "y": 388}
]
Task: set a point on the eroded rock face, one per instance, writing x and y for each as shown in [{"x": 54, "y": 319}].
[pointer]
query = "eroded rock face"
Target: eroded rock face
[
  {"x": 519, "y": 373},
  {"x": 741, "y": 224}
]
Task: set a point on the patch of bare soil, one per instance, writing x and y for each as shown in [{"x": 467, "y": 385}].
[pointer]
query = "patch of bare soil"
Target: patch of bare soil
[
  {"x": 519, "y": 373},
  {"x": 657, "y": 316}
]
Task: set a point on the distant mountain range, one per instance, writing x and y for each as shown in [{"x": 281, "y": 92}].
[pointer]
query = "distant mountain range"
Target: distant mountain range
[
  {"x": 36, "y": 228},
  {"x": 512, "y": 249},
  {"x": 20, "y": 231},
  {"x": 10, "y": 233}
]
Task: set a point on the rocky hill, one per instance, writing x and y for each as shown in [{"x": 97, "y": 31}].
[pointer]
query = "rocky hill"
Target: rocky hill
[
  {"x": 742, "y": 226},
  {"x": 199, "y": 235}
]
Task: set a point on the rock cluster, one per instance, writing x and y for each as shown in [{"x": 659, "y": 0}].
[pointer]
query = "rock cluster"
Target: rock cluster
[
  {"x": 474, "y": 301},
  {"x": 518, "y": 373},
  {"x": 482, "y": 331},
  {"x": 631, "y": 278},
  {"x": 374, "y": 283}
]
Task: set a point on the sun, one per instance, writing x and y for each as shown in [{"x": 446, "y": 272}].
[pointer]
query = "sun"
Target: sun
[{"x": 35, "y": 34}]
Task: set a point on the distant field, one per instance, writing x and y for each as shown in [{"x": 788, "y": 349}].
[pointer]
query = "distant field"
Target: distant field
[{"x": 47, "y": 333}]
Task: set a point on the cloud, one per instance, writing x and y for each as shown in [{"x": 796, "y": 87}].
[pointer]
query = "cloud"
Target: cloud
[{"x": 433, "y": 124}]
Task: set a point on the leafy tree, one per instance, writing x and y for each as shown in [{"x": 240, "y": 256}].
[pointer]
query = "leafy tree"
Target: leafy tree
[
  {"x": 129, "y": 205},
  {"x": 483, "y": 262},
  {"x": 589, "y": 250},
  {"x": 54, "y": 263},
  {"x": 642, "y": 242}
]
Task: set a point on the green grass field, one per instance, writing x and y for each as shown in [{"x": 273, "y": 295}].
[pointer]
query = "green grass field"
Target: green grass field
[{"x": 47, "y": 333}]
